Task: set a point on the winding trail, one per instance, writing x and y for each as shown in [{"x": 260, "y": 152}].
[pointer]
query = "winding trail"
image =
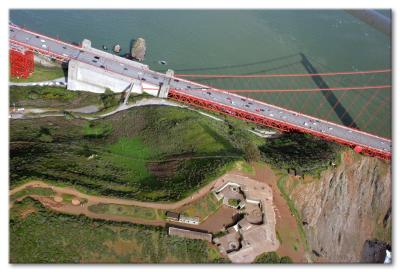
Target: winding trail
[
  {"x": 83, "y": 208},
  {"x": 92, "y": 199},
  {"x": 54, "y": 82}
]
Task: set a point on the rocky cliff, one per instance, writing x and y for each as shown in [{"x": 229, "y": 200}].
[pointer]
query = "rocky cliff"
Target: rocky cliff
[{"x": 349, "y": 204}]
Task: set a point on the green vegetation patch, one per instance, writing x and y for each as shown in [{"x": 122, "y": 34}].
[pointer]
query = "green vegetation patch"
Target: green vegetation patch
[
  {"x": 42, "y": 73},
  {"x": 131, "y": 147},
  {"x": 32, "y": 191},
  {"x": 272, "y": 258},
  {"x": 125, "y": 210},
  {"x": 149, "y": 153},
  {"x": 302, "y": 152},
  {"x": 51, "y": 97},
  {"x": 67, "y": 197},
  {"x": 233, "y": 202},
  {"x": 245, "y": 167},
  {"x": 203, "y": 207},
  {"x": 43, "y": 236},
  {"x": 96, "y": 129}
]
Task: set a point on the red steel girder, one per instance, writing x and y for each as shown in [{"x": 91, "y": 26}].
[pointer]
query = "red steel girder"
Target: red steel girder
[{"x": 21, "y": 63}]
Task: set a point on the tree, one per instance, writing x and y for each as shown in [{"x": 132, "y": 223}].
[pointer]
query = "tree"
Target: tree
[
  {"x": 108, "y": 98},
  {"x": 251, "y": 152},
  {"x": 286, "y": 259},
  {"x": 272, "y": 257}
]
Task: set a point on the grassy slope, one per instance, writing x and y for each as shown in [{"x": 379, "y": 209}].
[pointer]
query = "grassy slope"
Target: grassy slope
[
  {"x": 204, "y": 207},
  {"x": 133, "y": 152},
  {"x": 51, "y": 97},
  {"x": 42, "y": 236},
  {"x": 41, "y": 73},
  {"x": 32, "y": 191},
  {"x": 125, "y": 210}
]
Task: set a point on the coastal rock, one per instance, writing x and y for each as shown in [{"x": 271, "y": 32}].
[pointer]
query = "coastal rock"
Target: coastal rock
[
  {"x": 347, "y": 206},
  {"x": 138, "y": 49},
  {"x": 374, "y": 252}
]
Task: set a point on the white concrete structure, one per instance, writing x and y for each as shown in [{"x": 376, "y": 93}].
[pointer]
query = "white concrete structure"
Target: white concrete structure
[
  {"x": 189, "y": 220},
  {"x": 164, "y": 89},
  {"x": 85, "y": 76},
  {"x": 255, "y": 237}
]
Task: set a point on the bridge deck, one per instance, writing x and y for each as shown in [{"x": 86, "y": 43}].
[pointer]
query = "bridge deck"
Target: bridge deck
[
  {"x": 228, "y": 102},
  {"x": 294, "y": 120}
]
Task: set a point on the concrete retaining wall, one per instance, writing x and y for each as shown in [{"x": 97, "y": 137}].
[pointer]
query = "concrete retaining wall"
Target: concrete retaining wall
[{"x": 86, "y": 77}]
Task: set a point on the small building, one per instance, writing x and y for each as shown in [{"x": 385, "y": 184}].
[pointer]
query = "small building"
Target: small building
[
  {"x": 191, "y": 234},
  {"x": 172, "y": 216},
  {"x": 189, "y": 220},
  {"x": 232, "y": 195}
]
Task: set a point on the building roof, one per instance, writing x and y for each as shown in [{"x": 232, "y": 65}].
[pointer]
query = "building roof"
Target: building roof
[
  {"x": 172, "y": 215},
  {"x": 188, "y": 218}
]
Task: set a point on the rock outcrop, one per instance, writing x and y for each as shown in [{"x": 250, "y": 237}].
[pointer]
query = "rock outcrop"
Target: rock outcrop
[
  {"x": 138, "y": 49},
  {"x": 347, "y": 206}
]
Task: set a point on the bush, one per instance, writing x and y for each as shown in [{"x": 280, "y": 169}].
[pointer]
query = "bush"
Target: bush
[
  {"x": 302, "y": 152},
  {"x": 271, "y": 258},
  {"x": 233, "y": 202},
  {"x": 251, "y": 152},
  {"x": 109, "y": 99}
]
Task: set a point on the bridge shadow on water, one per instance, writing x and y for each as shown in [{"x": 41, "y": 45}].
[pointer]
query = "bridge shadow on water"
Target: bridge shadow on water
[
  {"x": 276, "y": 64},
  {"x": 331, "y": 98},
  {"x": 223, "y": 67}
]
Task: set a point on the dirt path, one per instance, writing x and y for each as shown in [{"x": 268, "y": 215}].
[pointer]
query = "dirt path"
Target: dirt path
[
  {"x": 68, "y": 208},
  {"x": 108, "y": 200},
  {"x": 83, "y": 209},
  {"x": 286, "y": 224}
]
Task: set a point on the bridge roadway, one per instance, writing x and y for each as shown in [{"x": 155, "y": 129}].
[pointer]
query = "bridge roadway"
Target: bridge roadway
[{"x": 65, "y": 51}]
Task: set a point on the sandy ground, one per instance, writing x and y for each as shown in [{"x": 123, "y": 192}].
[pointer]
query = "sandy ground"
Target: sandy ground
[{"x": 218, "y": 220}]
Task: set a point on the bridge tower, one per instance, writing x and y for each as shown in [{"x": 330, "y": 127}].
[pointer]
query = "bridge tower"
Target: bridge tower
[
  {"x": 164, "y": 89},
  {"x": 21, "y": 62}
]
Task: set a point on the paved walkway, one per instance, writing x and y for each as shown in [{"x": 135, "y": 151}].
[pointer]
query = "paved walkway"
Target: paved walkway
[{"x": 55, "y": 82}]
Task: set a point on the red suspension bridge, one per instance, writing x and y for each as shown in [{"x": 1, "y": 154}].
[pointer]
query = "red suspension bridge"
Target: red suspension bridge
[
  {"x": 358, "y": 99},
  {"x": 351, "y": 108}
]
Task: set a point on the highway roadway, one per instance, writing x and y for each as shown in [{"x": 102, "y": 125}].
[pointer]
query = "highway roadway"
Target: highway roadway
[
  {"x": 67, "y": 51},
  {"x": 303, "y": 122}
]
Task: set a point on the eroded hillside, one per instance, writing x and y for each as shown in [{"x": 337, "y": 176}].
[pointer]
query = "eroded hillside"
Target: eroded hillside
[{"x": 349, "y": 204}]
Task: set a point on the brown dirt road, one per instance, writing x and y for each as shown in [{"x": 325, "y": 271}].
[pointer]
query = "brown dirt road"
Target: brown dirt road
[
  {"x": 286, "y": 223},
  {"x": 108, "y": 200},
  {"x": 93, "y": 200}
]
